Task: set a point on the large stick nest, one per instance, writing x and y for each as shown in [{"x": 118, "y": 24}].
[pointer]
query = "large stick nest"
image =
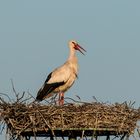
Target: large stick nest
[{"x": 22, "y": 117}]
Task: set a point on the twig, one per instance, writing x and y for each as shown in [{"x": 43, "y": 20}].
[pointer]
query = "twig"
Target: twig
[
  {"x": 6, "y": 96},
  {"x": 16, "y": 94},
  {"x": 76, "y": 100},
  {"x": 2, "y": 126},
  {"x": 21, "y": 96},
  {"x": 46, "y": 122}
]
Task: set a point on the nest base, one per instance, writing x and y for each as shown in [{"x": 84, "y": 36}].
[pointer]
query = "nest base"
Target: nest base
[{"x": 79, "y": 132}]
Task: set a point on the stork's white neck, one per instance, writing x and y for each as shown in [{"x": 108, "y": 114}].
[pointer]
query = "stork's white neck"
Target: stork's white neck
[{"x": 72, "y": 53}]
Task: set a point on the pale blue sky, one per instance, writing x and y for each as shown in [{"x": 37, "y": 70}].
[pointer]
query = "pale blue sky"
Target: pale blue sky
[{"x": 34, "y": 36}]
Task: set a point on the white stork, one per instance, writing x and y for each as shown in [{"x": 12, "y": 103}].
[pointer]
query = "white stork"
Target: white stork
[{"x": 63, "y": 77}]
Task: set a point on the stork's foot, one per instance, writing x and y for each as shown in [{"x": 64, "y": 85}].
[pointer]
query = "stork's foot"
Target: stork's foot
[{"x": 61, "y": 98}]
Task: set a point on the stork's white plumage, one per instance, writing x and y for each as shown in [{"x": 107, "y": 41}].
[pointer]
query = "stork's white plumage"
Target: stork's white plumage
[{"x": 63, "y": 77}]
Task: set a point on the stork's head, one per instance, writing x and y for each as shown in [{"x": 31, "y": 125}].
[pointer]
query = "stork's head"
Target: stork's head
[{"x": 73, "y": 44}]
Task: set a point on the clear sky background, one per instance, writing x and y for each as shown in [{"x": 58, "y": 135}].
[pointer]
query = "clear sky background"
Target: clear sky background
[{"x": 34, "y": 39}]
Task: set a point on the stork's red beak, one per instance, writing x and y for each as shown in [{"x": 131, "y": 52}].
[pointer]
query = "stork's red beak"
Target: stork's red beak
[{"x": 79, "y": 48}]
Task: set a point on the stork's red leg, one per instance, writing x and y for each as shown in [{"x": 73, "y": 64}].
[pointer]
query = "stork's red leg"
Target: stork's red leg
[{"x": 61, "y": 98}]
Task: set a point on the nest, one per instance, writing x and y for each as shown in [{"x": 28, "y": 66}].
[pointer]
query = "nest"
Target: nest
[{"x": 21, "y": 117}]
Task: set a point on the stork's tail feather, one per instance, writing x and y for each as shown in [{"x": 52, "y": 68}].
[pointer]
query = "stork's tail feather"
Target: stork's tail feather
[
  {"x": 40, "y": 95},
  {"x": 45, "y": 91}
]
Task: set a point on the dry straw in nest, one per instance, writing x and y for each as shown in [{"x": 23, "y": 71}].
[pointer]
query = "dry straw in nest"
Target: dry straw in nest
[{"x": 22, "y": 117}]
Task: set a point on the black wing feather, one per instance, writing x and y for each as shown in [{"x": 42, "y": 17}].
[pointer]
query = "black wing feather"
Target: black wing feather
[
  {"x": 47, "y": 89},
  {"x": 48, "y": 77}
]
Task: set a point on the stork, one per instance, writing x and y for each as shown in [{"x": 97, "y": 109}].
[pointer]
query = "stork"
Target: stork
[{"x": 63, "y": 77}]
